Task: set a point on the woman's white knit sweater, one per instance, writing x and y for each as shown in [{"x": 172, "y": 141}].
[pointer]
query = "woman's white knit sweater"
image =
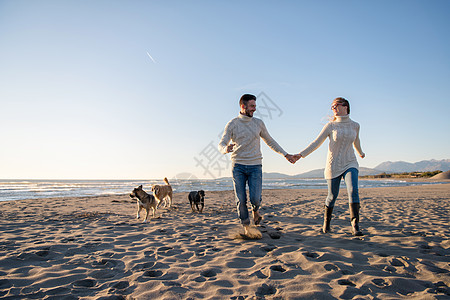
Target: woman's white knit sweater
[
  {"x": 343, "y": 134},
  {"x": 246, "y": 133}
]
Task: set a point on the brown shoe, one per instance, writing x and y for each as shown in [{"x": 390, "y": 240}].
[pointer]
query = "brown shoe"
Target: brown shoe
[
  {"x": 354, "y": 219},
  {"x": 257, "y": 218},
  {"x": 327, "y": 219}
]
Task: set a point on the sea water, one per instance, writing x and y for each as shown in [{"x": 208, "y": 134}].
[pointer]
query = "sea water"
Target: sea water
[{"x": 36, "y": 189}]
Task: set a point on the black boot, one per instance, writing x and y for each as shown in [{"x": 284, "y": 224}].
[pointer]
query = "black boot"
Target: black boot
[
  {"x": 354, "y": 219},
  {"x": 327, "y": 219}
]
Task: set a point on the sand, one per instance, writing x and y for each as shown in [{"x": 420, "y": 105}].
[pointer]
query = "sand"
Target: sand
[
  {"x": 443, "y": 175},
  {"x": 95, "y": 248}
]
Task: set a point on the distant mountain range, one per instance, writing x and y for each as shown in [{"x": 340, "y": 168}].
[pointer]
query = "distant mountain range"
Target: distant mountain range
[
  {"x": 421, "y": 166},
  {"x": 386, "y": 167}
]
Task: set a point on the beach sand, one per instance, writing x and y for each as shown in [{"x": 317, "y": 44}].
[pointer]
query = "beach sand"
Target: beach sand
[{"x": 95, "y": 248}]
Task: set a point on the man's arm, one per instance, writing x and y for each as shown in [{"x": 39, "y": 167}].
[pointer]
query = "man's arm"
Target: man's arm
[
  {"x": 267, "y": 138},
  {"x": 224, "y": 148},
  {"x": 270, "y": 141}
]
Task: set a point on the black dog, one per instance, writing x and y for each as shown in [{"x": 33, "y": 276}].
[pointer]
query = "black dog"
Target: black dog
[{"x": 197, "y": 198}]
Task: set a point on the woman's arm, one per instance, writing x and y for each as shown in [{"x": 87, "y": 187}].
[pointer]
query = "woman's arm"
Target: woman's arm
[
  {"x": 326, "y": 130},
  {"x": 357, "y": 144}
]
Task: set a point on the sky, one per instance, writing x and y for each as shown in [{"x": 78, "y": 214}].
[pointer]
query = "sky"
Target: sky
[{"x": 143, "y": 89}]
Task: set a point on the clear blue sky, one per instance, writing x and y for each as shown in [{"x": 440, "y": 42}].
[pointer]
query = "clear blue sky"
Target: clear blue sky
[{"x": 142, "y": 89}]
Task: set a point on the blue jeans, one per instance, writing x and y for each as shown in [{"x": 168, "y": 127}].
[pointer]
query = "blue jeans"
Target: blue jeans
[
  {"x": 243, "y": 174},
  {"x": 351, "y": 181}
]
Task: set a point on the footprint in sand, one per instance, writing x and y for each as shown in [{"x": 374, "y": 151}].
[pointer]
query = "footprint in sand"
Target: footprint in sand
[
  {"x": 209, "y": 273},
  {"x": 120, "y": 285},
  {"x": 172, "y": 283},
  {"x": 152, "y": 273},
  {"x": 200, "y": 279},
  {"x": 200, "y": 252},
  {"x": 143, "y": 266},
  {"x": 427, "y": 247},
  {"x": 102, "y": 274},
  {"x": 441, "y": 287},
  {"x": 397, "y": 263},
  {"x": 269, "y": 248},
  {"x": 390, "y": 269},
  {"x": 42, "y": 253},
  {"x": 278, "y": 268},
  {"x": 59, "y": 293},
  {"x": 310, "y": 254},
  {"x": 84, "y": 283},
  {"x": 266, "y": 290},
  {"x": 275, "y": 235},
  {"x": 347, "y": 272},
  {"x": 345, "y": 282},
  {"x": 380, "y": 282},
  {"x": 260, "y": 275},
  {"x": 104, "y": 263},
  {"x": 331, "y": 267},
  {"x": 164, "y": 249}
]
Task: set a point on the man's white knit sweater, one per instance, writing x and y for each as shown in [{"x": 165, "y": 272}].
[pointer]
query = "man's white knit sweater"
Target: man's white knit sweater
[
  {"x": 246, "y": 132},
  {"x": 343, "y": 134}
]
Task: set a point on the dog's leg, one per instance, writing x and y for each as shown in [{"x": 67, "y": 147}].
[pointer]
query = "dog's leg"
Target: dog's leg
[
  {"x": 147, "y": 210},
  {"x": 138, "y": 211},
  {"x": 158, "y": 204},
  {"x": 202, "y": 205},
  {"x": 170, "y": 199}
]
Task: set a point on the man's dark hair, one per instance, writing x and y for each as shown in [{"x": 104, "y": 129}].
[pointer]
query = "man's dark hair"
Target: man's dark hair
[{"x": 245, "y": 98}]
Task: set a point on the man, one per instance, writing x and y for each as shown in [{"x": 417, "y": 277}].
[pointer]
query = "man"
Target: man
[{"x": 245, "y": 132}]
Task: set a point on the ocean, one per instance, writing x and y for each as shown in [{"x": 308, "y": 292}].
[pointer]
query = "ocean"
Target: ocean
[{"x": 37, "y": 189}]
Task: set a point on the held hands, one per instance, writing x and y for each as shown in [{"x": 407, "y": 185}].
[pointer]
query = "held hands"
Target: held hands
[
  {"x": 297, "y": 156},
  {"x": 293, "y": 158}
]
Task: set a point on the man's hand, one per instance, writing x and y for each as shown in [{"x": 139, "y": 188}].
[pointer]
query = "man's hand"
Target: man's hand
[{"x": 230, "y": 148}]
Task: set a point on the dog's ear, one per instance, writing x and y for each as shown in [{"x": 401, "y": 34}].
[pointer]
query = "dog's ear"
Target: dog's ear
[
  {"x": 140, "y": 187},
  {"x": 155, "y": 190}
]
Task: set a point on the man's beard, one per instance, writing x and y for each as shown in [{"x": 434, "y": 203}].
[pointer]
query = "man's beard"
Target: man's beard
[{"x": 248, "y": 114}]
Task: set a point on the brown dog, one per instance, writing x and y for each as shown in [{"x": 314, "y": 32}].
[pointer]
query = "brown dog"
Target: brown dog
[
  {"x": 145, "y": 201},
  {"x": 161, "y": 192}
]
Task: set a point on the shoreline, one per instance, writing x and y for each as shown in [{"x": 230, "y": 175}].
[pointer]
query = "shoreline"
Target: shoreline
[
  {"x": 93, "y": 247},
  {"x": 362, "y": 186}
]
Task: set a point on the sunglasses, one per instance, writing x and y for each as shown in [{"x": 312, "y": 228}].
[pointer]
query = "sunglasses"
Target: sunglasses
[{"x": 336, "y": 105}]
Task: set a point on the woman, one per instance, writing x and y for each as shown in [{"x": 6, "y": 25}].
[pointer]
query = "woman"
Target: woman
[{"x": 341, "y": 161}]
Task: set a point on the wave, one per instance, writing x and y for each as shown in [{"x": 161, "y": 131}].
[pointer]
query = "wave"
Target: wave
[{"x": 37, "y": 189}]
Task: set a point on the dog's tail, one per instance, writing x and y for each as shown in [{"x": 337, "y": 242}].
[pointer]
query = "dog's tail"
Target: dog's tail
[{"x": 166, "y": 181}]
